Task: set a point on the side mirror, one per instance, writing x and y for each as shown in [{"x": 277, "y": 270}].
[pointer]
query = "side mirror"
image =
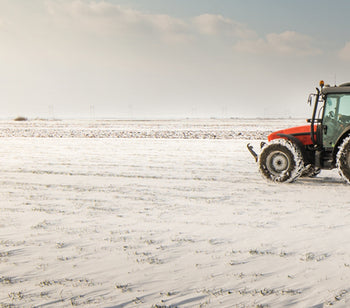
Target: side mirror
[{"x": 309, "y": 100}]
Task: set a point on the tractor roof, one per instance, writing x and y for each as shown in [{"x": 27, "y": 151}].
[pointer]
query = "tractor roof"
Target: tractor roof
[{"x": 343, "y": 88}]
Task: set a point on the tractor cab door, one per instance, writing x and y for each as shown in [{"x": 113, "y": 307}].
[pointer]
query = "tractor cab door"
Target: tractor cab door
[{"x": 336, "y": 118}]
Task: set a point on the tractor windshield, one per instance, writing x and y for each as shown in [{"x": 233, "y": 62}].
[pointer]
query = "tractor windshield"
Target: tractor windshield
[{"x": 336, "y": 117}]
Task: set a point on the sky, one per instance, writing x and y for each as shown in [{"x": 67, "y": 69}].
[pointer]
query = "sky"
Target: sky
[{"x": 169, "y": 58}]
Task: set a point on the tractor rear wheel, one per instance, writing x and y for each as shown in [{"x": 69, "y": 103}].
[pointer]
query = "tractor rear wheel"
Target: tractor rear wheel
[
  {"x": 280, "y": 161},
  {"x": 343, "y": 160}
]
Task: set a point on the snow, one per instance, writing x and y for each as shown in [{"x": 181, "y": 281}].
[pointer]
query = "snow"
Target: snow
[{"x": 164, "y": 222}]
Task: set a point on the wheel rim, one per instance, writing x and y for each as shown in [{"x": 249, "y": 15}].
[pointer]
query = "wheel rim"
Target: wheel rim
[{"x": 277, "y": 162}]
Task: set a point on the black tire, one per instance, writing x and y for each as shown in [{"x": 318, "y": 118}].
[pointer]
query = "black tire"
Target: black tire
[
  {"x": 310, "y": 171},
  {"x": 343, "y": 160},
  {"x": 280, "y": 161}
]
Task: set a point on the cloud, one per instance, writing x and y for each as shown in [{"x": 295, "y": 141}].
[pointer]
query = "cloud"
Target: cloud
[
  {"x": 209, "y": 24},
  {"x": 105, "y": 18},
  {"x": 344, "y": 53},
  {"x": 288, "y": 43}
]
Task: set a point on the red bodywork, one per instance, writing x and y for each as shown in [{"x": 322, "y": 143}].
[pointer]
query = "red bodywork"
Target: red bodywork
[{"x": 303, "y": 133}]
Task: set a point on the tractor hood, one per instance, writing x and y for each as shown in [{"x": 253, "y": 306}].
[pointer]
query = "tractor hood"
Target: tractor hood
[{"x": 303, "y": 133}]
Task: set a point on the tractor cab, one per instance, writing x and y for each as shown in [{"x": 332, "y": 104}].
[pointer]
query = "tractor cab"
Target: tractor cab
[
  {"x": 322, "y": 144},
  {"x": 336, "y": 115}
]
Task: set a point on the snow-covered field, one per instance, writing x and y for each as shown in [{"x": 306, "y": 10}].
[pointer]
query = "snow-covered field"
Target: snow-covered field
[
  {"x": 182, "y": 221},
  {"x": 172, "y": 129}
]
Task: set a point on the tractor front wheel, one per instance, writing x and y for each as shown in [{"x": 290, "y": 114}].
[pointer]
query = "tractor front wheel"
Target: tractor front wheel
[
  {"x": 281, "y": 161},
  {"x": 343, "y": 160}
]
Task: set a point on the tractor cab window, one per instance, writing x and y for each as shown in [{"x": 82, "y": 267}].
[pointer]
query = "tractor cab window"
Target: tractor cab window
[
  {"x": 344, "y": 109},
  {"x": 331, "y": 107},
  {"x": 336, "y": 117}
]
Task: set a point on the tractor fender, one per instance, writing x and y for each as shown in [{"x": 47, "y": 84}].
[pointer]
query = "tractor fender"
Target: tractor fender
[
  {"x": 345, "y": 133},
  {"x": 297, "y": 143}
]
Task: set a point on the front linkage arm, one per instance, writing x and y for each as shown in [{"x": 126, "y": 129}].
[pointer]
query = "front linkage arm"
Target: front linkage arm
[{"x": 250, "y": 148}]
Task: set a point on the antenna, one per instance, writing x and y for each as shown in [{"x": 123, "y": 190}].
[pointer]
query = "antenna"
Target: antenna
[
  {"x": 335, "y": 79},
  {"x": 51, "y": 112},
  {"x": 92, "y": 112}
]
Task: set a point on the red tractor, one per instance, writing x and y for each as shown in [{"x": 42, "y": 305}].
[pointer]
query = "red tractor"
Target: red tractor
[{"x": 322, "y": 144}]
